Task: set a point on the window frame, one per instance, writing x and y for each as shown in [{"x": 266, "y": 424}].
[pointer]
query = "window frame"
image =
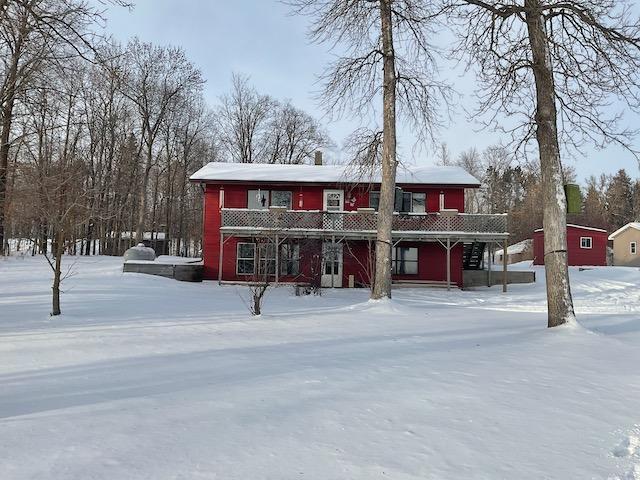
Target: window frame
[
  {"x": 264, "y": 258},
  {"x": 245, "y": 259},
  {"x": 292, "y": 258},
  {"x": 633, "y": 248},
  {"x": 590, "y": 243},
  {"x": 395, "y": 270},
  {"x": 424, "y": 200},
  {"x": 289, "y": 205},
  {"x": 375, "y": 194},
  {"x": 408, "y": 198},
  {"x": 268, "y": 199}
]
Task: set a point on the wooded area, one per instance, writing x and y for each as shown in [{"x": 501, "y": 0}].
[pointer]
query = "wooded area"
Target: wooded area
[
  {"x": 99, "y": 138},
  {"x": 513, "y": 186}
]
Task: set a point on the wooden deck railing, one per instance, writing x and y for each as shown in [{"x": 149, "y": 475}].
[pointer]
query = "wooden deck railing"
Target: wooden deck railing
[{"x": 360, "y": 222}]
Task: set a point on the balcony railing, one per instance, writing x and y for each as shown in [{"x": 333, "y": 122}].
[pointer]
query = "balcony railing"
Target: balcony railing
[{"x": 309, "y": 222}]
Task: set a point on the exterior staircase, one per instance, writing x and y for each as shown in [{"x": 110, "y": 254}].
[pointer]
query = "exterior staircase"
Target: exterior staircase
[{"x": 473, "y": 255}]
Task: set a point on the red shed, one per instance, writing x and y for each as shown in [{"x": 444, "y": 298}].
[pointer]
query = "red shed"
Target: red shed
[{"x": 586, "y": 246}]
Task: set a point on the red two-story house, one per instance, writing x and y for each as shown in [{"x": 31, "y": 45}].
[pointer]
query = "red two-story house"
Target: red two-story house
[{"x": 317, "y": 223}]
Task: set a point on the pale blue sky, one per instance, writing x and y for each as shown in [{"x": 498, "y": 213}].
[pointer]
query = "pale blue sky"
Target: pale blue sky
[{"x": 259, "y": 38}]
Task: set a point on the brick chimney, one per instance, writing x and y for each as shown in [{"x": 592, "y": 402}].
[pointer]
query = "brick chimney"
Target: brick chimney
[{"x": 318, "y": 157}]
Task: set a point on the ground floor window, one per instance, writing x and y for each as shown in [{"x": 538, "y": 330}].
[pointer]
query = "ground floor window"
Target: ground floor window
[
  {"x": 263, "y": 256},
  {"x": 246, "y": 258},
  {"x": 266, "y": 259},
  {"x": 405, "y": 260},
  {"x": 585, "y": 242},
  {"x": 290, "y": 259},
  {"x": 633, "y": 248}
]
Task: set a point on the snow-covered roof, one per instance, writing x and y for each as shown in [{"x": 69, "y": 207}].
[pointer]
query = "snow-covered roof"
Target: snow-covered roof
[
  {"x": 582, "y": 227},
  {"x": 265, "y": 172},
  {"x": 517, "y": 247},
  {"x": 635, "y": 225}
]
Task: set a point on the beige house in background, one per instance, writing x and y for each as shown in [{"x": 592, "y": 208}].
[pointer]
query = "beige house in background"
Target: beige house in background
[{"x": 626, "y": 245}]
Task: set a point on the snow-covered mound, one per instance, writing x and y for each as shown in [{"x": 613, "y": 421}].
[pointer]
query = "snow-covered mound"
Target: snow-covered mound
[{"x": 146, "y": 378}]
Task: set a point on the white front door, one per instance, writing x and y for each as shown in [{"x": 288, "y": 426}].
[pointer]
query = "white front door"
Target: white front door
[
  {"x": 331, "y": 265},
  {"x": 333, "y": 200}
]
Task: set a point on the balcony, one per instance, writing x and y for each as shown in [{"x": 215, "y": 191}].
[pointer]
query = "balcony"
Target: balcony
[{"x": 362, "y": 224}]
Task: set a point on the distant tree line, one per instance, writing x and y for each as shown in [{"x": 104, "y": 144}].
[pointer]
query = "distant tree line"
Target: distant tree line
[
  {"x": 99, "y": 139},
  {"x": 514, "y": 187}
]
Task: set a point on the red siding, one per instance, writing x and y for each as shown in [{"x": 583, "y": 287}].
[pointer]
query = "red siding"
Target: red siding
[
  {"x": 577, "y": 256},
  {"x": 431, "y": 256},
  {"x": 211, "y": 231}
]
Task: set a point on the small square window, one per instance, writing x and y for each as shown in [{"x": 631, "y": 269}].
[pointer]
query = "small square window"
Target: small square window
[
  {"x": 633, "y": 248},
  {"x": 586, "y": 242}
]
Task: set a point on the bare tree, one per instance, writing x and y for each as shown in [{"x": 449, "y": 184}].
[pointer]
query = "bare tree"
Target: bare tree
[
  {"x": 554, "y": 66},
  {"x": 56, "y": 167},
  {"x": 387, "y": 54},
  {"x": 243, "y": 116},
  {"x": 33, "y": 33},
  {"x": 153, "y": 80},
  {"x": 470, "y": 161},
  {"x": 292, "y": 135},
  {"x": 444, "y": 155}
]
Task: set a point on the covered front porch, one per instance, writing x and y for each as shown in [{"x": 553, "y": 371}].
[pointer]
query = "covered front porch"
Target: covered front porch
[{"x": 449, "y": 230}]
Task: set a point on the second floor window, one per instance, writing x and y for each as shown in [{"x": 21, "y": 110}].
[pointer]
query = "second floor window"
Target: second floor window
[
  {"x": 263, "y": 199},
  {"x": 418, "y": 202},
  {"x": 281, "y": 198},
  {"x": 415, "y": 202},
  {"x": 258, "y": 199}
]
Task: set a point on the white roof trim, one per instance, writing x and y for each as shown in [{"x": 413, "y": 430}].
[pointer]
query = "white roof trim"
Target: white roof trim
[
  {"x": 635, "y": 225},
  {"x": 582, "y": 227},
  {"x": 275, "y": 173}
]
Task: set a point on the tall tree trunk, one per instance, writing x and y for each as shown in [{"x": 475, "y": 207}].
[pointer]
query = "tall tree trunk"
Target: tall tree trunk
[
  {"x": 560, "y": 303},
  {"x": 7, "y": 119},
  {"x": 57, "y": 272},
  {"x": 382, "y": 280},
  {"x": 142, "y": 212}
]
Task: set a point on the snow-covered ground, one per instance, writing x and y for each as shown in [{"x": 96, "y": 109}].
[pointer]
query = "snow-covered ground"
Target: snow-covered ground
[{"x": 148, "y": 378}]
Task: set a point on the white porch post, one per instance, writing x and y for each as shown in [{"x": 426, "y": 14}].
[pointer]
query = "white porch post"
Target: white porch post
[
  {"x": 220, "y": 258},
  {"x": 504, "y": 266},
  {"x": 489, "y": 262},
  {"x": 277, "y": 260},
  {"x": 333, "y": 257},
  {"x": 448, "y": 263}
]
